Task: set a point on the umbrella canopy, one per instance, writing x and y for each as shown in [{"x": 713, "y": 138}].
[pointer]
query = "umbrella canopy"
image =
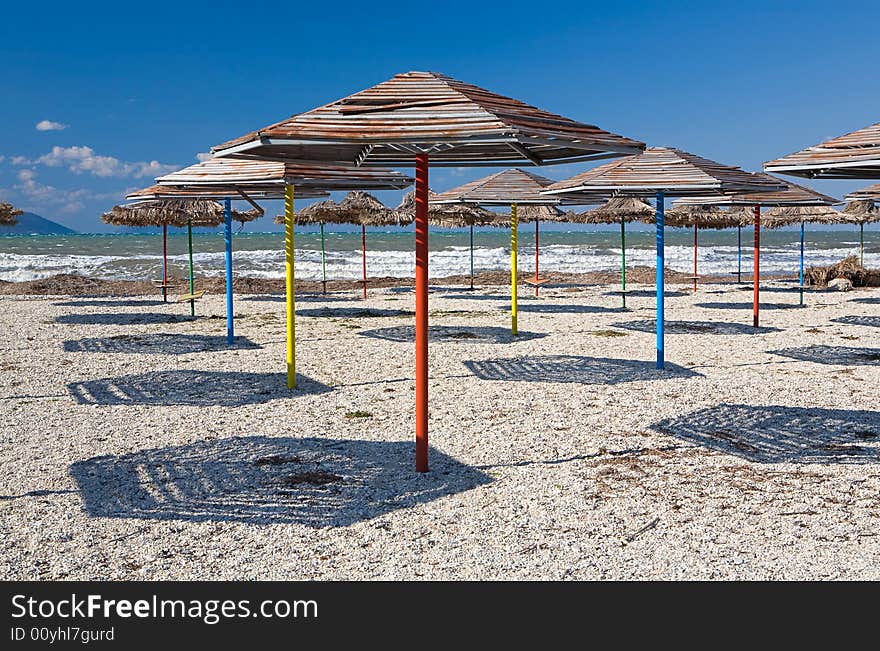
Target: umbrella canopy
[
  {"x": 456, "y": 123},
  {"x": 871, "y": 194},
  {"x": 789, "y": 194},
  {"x": 704, "y": 216},
  {"x": 660, "y": 169},
  {"x": 358, "y": 208},
  {"x": 459, "y": 215},
  {"x": 418, "y": 118},
  {"x": 628, "y": 209},
  {"x": 8, "y": 214},
  {"x": 501, "y": 189},
  {"x": 167, "y": 192},
  {"x": 791, "y": 215},
  {"x": 862, "y": 212},
  {"x": 174, "y": 212},
  {"x": 854, "y": 155},
  {"x": 230, "y": 176}
]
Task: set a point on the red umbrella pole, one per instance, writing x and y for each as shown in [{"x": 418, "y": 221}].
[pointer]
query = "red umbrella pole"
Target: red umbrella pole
[
  {"x": 422, "y": 313},
  {"x": 695, "y": 256},
  {"x": 537, "y": 222},
  {"x": 364, "y": 255},
  {"x": 165, "y": 262},
  {"x": 756, "y": 273}
]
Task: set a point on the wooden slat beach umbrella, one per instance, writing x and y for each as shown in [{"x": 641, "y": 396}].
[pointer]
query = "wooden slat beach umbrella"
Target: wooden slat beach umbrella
[
  {"x": 452, "y": 216},
  {"x": 863, "y": 207},
  {"x": 704, "y": 216},
  {"x": 358, "y": 208},
  {"x": 622, "y": 210},
  {"x": 791, "y": 195},
  {"x": 854, "y": 155},
  {"x": 419, "y": 116},
  {"x": 9, "y": 214},
  {"x": 661, "y": 172},
  {"x": 521, "y": 190},
  {"x": 267, "y": 179},
  {"x": 165, "y": 212}
]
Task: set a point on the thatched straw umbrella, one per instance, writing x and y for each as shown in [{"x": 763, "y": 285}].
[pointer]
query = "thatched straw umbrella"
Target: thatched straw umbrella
[
  {"x": 800, "y": 215},
  {"x": 357, "y": 208},
  {"x": 863, "y": 211},
  {"x": 707, "y": 216},
  {"x": 452, "y": 216},
  {"x": 623, "y": 210},
  {"x": 9, "y": 214},
  {"x": 177, "y": 213}
]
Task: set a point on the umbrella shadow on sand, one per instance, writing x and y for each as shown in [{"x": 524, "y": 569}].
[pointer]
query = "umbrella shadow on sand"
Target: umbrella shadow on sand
[
  {"x": 778, "y": 434},
  {"x": 695, "y": 327},
  {"x": 157, "y": 344},
  {"x": 262, "y": 480},
  {"x": 749, "y": 306},
  {"x": 192, "y": 388},
  {"x": 112, "y": 302},
  {"x": 867, "y": 300},
  {"x": 836, "y": 355},
  {"x": 352, "y": 312},
  {"x": 859, "y": 319},
  {"x": 122, "y": 318},
  {"x": 575, "y": 369},
  {"x": 472, "y": 334}
]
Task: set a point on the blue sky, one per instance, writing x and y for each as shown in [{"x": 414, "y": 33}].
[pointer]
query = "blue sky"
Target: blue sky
[{"x": 128, "y": 90}]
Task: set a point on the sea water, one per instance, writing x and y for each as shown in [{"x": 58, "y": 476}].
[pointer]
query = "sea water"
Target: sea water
[{"x": 563, "y": 248}]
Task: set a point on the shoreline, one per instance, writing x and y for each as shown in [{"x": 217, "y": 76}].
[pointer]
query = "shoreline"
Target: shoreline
[{"x": 77, "y": 285}]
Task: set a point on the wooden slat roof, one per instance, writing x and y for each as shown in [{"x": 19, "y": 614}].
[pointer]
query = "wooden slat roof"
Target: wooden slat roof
[
  {"x": 252, "y": 175},
  {"x": 675, "y": 172},
  {"x": 160, "y": 192},
  {"x": 455, "y": 215},
  {"x": 792, "y": 195},
  {"x": 871, "y": 193},
  {"x": 854, "y": 155},
  {"x": 501, "y": 189},
  {"x": 456, "y": 123}
]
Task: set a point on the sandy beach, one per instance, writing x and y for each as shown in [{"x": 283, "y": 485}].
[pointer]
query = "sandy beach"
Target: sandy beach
[{"x": 137, "y": 445}]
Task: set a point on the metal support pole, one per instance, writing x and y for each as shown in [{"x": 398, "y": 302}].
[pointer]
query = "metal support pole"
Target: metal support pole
[
  {"x": 513, "y": 274},
  {"x": 756, "y": 272},
  {"x": 422, "y": 313},
  {"x": 323, "y": 262},
  {"x": 695, "y": 257},
  {"x": 472, "y": 256},
  {"x": 801, "y": 274},
  {"x": 660, "y": 279},
  {"x": 537, "y": 222},
  {"x": 192, "y": 282},
  {"x": 364, "y": 255},
  {"x": 623, "y": 260},
  {"x": 165, "y": 262},
  {"x": 739, "y": 254},
  {"x": 289, "y": 287},
  {"x": 230, "y": 329},
  {"x": 862, "y": 244}
]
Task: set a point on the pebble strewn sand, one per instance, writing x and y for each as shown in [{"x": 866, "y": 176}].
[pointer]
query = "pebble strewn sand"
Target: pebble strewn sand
[{"x": 137, "y": 445}]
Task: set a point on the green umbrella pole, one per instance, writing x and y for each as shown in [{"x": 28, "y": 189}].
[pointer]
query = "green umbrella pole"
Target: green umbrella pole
[
  {"x": 192, "y": 286},
  {"x": 472, "y": 256},
  {"x": 323, "y": 261},
  {"x": 862, "y": 244},
  {"x": 623, "y": 260}
]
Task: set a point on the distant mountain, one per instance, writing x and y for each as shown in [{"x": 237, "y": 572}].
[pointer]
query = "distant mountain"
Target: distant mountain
[{"x": 31, "y": 224}]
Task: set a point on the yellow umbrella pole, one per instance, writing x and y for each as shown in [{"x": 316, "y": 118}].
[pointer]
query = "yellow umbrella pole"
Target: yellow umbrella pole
[
  {"x": 513, "y": 268},
  {"x": 289, "y": 286}
]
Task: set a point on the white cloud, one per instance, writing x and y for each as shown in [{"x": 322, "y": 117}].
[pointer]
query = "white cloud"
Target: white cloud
[
  {"x": 49, "y": 125},
  {"x": 82, "y": 159},
  {"x": 40, "y": 195},
  {"x": 203, "y": 156}
]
